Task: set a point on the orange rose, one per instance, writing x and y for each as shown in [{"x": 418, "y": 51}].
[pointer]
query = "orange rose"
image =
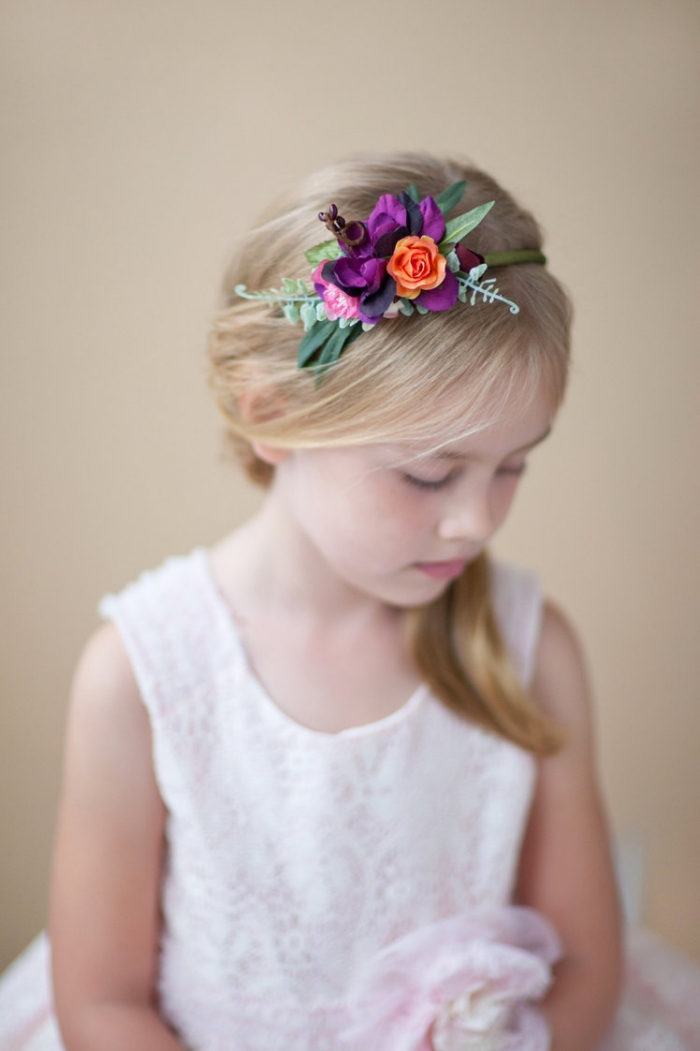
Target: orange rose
[{"x": 416, "y": 265}]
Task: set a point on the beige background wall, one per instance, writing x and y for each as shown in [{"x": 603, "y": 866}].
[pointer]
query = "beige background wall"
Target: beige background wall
[{"x": 140, "y": 137}]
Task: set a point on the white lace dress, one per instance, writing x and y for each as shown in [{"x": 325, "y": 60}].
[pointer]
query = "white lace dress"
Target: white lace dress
[{"x": 296, "y": 857}]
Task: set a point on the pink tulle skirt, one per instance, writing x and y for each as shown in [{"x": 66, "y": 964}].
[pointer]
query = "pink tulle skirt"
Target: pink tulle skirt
[{"x": 468, "y": 982}]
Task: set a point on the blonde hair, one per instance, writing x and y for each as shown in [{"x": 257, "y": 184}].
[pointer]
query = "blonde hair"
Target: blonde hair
[{"x": 398, "y": 382}]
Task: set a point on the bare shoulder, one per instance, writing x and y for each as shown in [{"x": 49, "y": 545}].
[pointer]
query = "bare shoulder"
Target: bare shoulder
[
  {"x": 561, "y": 680},
  {"x": 104, "y": 663},
  {"x": 108, "y": 738},
  {"x": 107, "y": 721}
]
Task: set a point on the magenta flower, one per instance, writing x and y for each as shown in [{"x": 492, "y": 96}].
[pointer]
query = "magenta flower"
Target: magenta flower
[{"x": 337, "y": 303}]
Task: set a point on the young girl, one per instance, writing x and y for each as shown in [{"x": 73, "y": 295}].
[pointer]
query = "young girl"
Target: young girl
[{"x": 330, "y": 784}]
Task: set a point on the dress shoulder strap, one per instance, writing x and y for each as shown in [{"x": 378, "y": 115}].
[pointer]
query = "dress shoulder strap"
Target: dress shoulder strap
[
  {"x": 176, "y": 638},
  {"x": 517, "y": 602}
]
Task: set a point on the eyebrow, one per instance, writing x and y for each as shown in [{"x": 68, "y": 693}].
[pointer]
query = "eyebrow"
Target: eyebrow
[{"x": 447, "y": 455}]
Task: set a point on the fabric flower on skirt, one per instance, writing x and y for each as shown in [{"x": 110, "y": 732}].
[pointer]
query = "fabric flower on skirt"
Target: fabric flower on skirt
[{"x": 466, "y": 983}]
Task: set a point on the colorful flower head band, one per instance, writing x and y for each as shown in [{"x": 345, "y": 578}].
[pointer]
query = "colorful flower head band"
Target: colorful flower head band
[{"x": 403, "y": 258}]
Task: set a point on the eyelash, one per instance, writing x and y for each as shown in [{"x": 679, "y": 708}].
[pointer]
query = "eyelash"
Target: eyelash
[
  {"x": 513, "y": 470},
  {"x": 422, "y": 483}
]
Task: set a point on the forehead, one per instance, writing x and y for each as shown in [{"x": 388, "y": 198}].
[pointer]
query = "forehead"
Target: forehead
[{"x": 511, "y": 426}]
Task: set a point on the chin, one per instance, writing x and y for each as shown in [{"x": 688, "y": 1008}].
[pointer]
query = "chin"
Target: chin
[{"x": 418, "y": 594}]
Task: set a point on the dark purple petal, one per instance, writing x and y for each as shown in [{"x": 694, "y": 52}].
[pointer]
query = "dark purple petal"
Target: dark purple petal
[
  {"x": 467, "y": 258},
  {"x": 441, "y": 298},
  {"x": 414, "y": 215},
  {"x": 387, "y": 209},
  {"x": 373, "y": 271},
  {"x": 346, "y": 275},
  {"x": 355, "y": 277},
  {"x": 383, "y": 226},
  {"x": 384, "y": 246},
  {"x": 373, "y": 304},
  {"x": 433, "y": 222}
]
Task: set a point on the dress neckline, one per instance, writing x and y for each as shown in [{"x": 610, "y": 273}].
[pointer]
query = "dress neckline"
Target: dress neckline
[{"x": 226, "y": 616}]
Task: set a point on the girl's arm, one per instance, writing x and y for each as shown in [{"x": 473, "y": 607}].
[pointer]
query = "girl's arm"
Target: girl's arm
[
  {"x": 104, "y": 907},
  {"x": 566, "y": 870}
]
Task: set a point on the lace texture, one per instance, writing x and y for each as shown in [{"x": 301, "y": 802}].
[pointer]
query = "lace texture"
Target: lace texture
[{"x": 294, "y": 856}]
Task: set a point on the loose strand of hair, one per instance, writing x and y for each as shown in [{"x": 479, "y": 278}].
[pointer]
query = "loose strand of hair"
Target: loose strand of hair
[{"x": 458, "y": 649}]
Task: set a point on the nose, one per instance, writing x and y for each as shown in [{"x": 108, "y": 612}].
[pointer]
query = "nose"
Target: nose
[{"x": 471, "y": 519}]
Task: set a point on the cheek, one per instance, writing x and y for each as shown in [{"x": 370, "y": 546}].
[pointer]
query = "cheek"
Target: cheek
[
  {"x": 368, "y": 522},
  {"x": 505, "y": 490}
]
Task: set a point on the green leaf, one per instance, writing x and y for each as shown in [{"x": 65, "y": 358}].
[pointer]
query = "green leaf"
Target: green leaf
[
  {"x": 421, "y": 310},
  {"x": 326, "y": 250},
  {"x": 289, "y": 287},
  {"x": 308, "y": 315},
  {"x": 412, "y": 192},
  {"x": 314, "y": 338},
  {"x": 458, "y": 228},
  {"x": 335, "y": 346},
  {"x": 453, "y": 263},
  {"x": 406, "y": 307},
  {"x": 291, "y": 312},
  {"x": 451, "y": 196}
]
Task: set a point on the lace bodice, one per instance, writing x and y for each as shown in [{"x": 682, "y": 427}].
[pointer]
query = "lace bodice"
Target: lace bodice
[{"x": 292, "y": 855}]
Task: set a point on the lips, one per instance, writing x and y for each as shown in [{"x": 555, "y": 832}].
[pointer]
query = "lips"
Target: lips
[{"x": 442, "y": 570}]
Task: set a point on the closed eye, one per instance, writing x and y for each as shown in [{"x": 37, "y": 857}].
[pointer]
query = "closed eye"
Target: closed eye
[
  {"x": 520, "y": 469},
  {"x": 429, "y": 483}
]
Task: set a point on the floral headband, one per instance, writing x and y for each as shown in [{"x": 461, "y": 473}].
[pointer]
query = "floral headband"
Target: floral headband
[{"x": 403, "y": 258}]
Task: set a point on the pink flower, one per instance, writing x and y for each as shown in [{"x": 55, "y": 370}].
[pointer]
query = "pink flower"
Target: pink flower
[
  {"x": 338, "y": 303},
  {"x": 466, "y": 983}
]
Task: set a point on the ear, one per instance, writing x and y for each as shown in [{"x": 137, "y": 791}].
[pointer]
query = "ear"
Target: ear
[
  {"x": 271, "y": 454},
  {"x": 256, "y": 406}
]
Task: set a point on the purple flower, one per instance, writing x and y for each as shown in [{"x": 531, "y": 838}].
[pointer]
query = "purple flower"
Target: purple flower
[
  {"x": 365, "y": 279},
  {"x": 395, "y": 217},
  {"x": 443, "y": 297}
]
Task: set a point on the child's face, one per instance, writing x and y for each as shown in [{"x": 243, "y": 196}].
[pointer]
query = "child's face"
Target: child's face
[{"x": 398, "y": 525}]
